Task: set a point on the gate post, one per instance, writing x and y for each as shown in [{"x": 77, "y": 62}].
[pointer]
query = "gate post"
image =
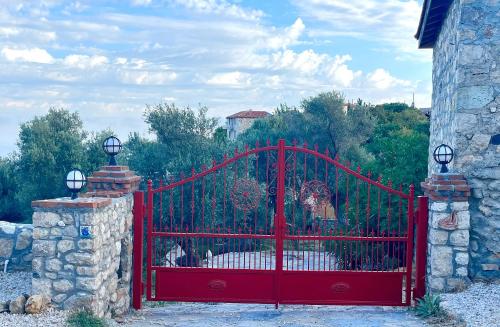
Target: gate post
[
  {"x": 279, "y": 223},
  {"x": 137, "y": 285},
  {"x": 421, "y": 244}
]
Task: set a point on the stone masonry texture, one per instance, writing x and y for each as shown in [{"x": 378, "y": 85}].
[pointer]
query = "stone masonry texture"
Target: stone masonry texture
[
  {"x": 78, "y": 272},
  {"x": 15, "y": 245},
  {"x": 449, "y": 232},
  {"x": 466, "y": 115}
]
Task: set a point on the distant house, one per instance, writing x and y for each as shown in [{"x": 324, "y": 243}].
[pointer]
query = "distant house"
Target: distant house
[{"x": 237, "y": 123}]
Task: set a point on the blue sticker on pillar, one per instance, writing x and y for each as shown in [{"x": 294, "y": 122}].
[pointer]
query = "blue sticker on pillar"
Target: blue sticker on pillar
[{"x": 86, "y": 232}]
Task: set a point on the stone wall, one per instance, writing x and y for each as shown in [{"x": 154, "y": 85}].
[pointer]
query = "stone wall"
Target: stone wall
[
  {"x": 82, "y": 253},
  {"x": 15, "y": 245},
  {"x": 465, "y": 115}
]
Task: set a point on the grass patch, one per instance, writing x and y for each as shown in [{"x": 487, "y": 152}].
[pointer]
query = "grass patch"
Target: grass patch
[
  {"x": 85, "y": 319},
  {"x": 429, "y": 306}
]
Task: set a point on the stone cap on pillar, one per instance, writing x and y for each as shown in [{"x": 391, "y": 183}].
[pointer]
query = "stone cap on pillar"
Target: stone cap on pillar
[
  {"x": 92, "y": 203},
  {"x": 446, "y": 187},
  {"x": 112, "y": 182}
]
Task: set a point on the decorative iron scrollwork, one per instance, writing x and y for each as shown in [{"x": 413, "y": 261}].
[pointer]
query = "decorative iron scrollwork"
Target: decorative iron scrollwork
[
  {"x": 245, "y": 194},
  {"x": 313, "y": 194}
]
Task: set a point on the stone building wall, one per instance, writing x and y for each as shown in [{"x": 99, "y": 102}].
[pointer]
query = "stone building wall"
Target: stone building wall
[
  {"x": 82, "y": 253},
  {"x": 466, "y": 115},
  {"x": 15, "y": 245}
]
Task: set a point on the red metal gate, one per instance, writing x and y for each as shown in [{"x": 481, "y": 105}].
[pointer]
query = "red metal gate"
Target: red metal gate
[{"x": 277, "y": 224}]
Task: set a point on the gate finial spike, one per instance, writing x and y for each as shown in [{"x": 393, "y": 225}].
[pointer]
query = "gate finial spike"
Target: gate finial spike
[
  {"x": 358, "y": 169},
  {"x": 236, "y": 150},
  {"x": 369, "y": 174},
  {"x": 316, "y": 147},
  {"x": 305, "y": 145},
  {"x": 327, "y": 152},
  {"x": 268, "y": 142},
  {"x": 257, "y": 144}
]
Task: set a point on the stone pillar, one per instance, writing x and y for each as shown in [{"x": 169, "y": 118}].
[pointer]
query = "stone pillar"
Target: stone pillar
[
  {"x": 448, "y": 237},
  {"x": 82, "y": 248}
]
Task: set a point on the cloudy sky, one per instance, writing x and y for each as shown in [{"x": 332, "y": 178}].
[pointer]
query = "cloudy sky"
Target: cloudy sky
[{"x": 108, "y": 59}]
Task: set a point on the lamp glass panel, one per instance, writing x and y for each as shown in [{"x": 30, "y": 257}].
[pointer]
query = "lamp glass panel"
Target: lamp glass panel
[{"x": 78, "y": 185}]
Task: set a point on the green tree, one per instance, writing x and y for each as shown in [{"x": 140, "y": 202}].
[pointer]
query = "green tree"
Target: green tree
[
  {"x": 344, "y": 130},
  {"x": 9, "y": 209},
  {"x": 184, "y": 140},
  {"x": 49, "y": 146},
  {"x": 399, "y": 144},
  {"x": 94, "y": 156}
]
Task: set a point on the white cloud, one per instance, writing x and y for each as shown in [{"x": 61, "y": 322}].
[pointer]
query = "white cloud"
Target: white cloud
[
  {"x": 215, "y": 52},
  {"x": 220, "y": 7},
  {"x": 9, "y": 31},
  {"x": 141, "y": 2},
  {"x": 229, "y": 79},
  {"x": 383, "y": 80},
  {"x": 121, "y": 61},
  {"x": 84, "y": 61},
  {"x": 290, "y": 36},
  {"x": 35, "y": 55},
  {"x": 392, "y": 22},
  {"x": 338, "y": 72},
  {"x": 147, "y": 77}
]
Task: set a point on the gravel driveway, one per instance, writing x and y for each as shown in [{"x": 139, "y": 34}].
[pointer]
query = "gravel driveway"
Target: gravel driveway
[
  {"x": 258, "y": 315},
  {"x": 478, "y": 306}
]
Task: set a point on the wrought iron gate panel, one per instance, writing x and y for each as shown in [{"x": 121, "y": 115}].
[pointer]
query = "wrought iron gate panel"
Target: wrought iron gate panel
[{"x": 279, "y": 224}]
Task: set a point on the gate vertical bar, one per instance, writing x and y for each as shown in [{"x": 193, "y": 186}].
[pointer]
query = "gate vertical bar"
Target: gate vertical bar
[
  {"x": 409, "y": 246},
  {"x": 421, "y": 256},
  {"x": 279, "y": 222},
  {"x": 149, "y": 244},
  {"x": 137, "y": 285}
]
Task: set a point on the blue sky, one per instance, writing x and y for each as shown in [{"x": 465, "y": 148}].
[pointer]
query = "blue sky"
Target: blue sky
[{"x": 109, "y": 59}]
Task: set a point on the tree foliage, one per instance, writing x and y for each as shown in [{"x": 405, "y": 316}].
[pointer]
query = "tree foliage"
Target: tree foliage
[
  {"x": 48, "y": 147},
  {"x": 184, "y": 140}
]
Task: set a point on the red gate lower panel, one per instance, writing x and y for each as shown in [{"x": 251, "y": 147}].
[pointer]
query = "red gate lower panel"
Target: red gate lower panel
[
  {"x": 339, "y": 287},
  {"x": 215, "y": 285}
]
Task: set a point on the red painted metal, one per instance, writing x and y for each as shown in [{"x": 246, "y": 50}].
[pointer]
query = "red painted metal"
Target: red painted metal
[
  {"x": 421, "y": 255},
  {"x": 149, "y": 214},
  {"x": 137, "y": 284},
  {"x": 250, "y": 232}
]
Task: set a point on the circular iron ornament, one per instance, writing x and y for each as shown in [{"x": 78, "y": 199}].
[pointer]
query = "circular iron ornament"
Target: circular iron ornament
[
  {"x": 245, "y": 194},
  {"x": 443, "y": 155},
  {"x": 313, "y": 194}
]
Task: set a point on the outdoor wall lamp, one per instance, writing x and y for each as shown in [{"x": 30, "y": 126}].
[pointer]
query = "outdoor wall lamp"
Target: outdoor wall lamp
[
  {"x": 112, "y": 146},
  {"x": 443, "y": 155},
  {"x": 75, "y": 181}
]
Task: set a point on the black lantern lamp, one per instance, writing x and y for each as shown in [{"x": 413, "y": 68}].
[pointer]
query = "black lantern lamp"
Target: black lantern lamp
[
  {"x": 75, "y": 181},
  {"x": 443, "y": 155},
  {"x": 112, "y": 146}
]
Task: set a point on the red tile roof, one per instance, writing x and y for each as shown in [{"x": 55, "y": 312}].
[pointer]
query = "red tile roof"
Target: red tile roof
[{"x": 250, "y": 114}]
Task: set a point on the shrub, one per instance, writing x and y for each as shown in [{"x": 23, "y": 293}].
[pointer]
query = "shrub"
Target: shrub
[
  {"x": 429, "y": 306},
  {"x": 85, "y": 319}
]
